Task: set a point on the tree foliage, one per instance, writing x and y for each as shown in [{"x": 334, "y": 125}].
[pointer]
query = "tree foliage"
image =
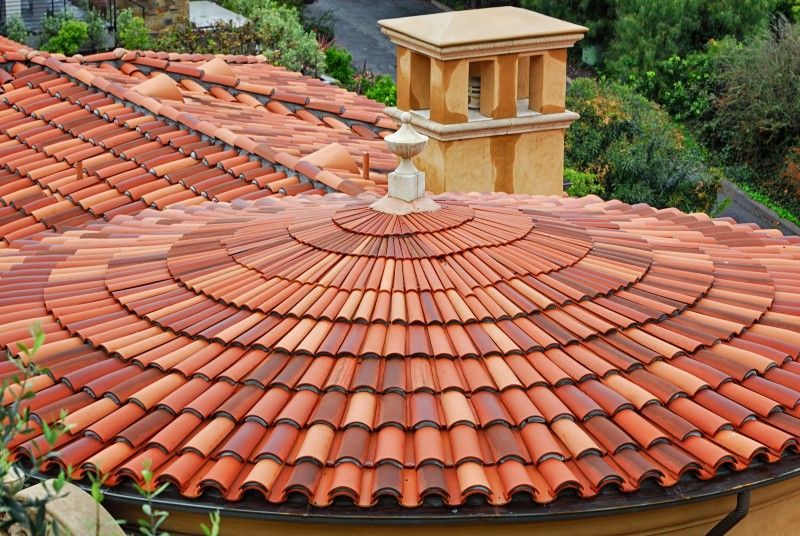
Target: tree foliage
[
  {"x": 383, "y": 90},
  {"x": 758, "y": 111},
  {"x": 597, "y": 15},
  {"x": 16, "y": 30},
  {"x": 68, "y": 38},
  {"x": 132, "y": 33},
  {"x": 646, "y": 32},
  {"x": 339, "y": 64},
  {"x": 97, "y": 36},
  {"x": 687, "y": 86},
  {"x": 635, "y": 151},
  {"x": 222, "y": 38},
  {"x": 281, "y": 36}
]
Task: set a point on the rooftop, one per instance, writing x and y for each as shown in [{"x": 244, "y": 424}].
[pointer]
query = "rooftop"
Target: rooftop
[
  {"x": 313, "y": 346},
  {"x": 204, "y": 127},
  {"x": 194, "y": 236}
]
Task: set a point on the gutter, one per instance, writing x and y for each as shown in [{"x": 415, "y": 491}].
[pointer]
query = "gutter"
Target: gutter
[{"x": 734, "y": 517}]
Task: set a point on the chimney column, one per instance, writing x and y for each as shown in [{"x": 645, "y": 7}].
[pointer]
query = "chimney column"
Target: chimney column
[{"x": 508, "y": 138}]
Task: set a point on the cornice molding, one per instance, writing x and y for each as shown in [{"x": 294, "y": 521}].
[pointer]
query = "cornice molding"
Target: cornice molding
[
  {"x": 478, "y": 50},
  {"x": 487, "y": 127}
]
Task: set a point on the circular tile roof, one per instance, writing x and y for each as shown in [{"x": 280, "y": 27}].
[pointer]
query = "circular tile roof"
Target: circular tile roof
[{"x": 502, "y": 346}]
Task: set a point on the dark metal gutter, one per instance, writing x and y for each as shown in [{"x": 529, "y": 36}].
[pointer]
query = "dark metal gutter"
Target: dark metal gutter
[
  {"x": 520, "y": 510},
  {"x": 734, "y": 517}
]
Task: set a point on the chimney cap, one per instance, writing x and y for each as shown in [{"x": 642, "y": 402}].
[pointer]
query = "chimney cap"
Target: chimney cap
[{"x": 502, "y": 27}]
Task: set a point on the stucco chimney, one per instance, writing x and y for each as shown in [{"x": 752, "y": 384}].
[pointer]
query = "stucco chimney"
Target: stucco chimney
[{"x": 488, "y": 87}]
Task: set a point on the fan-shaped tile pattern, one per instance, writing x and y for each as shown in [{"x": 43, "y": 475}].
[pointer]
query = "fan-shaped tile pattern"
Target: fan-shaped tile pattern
[{"x": 502, "y": 346}]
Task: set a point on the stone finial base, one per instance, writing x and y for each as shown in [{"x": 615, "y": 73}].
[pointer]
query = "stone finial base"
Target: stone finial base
[{"x": 398, "y": 207}]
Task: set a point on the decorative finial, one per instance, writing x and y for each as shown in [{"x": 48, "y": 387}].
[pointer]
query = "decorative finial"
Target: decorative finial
[{"x": 406, "y": 183}]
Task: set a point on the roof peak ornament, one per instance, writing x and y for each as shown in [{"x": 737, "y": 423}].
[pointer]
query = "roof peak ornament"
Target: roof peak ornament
[{"x": 406, "y": 183}]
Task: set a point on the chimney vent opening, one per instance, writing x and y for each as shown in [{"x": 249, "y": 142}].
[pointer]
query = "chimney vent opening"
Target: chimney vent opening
[{"x": 474, "y": 93}]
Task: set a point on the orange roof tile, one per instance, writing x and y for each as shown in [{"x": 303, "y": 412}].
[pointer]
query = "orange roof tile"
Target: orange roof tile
[
  {"x": 139, "y": 150},
  {"x": 503, "y": 345},
  {"x": 280, "y": 345}
]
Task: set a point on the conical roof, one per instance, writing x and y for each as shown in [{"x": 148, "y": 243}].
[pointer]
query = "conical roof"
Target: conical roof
[{"x": 501, "y": 346}]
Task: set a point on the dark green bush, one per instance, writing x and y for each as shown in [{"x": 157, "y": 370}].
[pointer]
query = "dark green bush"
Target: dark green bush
[
  {"x": 688, "y": 87},
  {"x": 339, "y": 65},
  {"x": 132, "y": 33},
  {"x": 383, "y": 90},
  {"x": 582, "y": 184},
  {"x": 758, "y": 113},
  {"x": 648, "y": 32},
  {"x": 68, "y": 38},
  {"x": 637, "y": 153},
  {"x": 597, "y": 15}
]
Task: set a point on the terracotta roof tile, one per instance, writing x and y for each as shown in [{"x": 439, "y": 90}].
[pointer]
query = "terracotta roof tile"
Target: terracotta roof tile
[
  {"x": 56, "y": 113},
  {"x": 310, "y": 345}
]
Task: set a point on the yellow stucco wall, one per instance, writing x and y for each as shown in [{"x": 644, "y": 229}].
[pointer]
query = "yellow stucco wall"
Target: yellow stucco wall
[{"x": 530, "y": 163}]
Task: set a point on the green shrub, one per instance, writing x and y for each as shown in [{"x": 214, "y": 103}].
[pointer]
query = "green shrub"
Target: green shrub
[
  {"x": 582, "y": 184},
  {"x": 339, "y": 65},
  {"x": 648, "y": 32},
  {"x": 597, "y": 15},
  {"x": 790, "y": 9},
  {"x": 281, "y": 36},
  {"x": 757, "y": 117},
  {"x": 68, "y": 39},
  {"x": 222, "y": 38},
  {"x": 96, "y": 29},
  {"x": 634, "y": 149},
  {"x": 51, "y": 23},
  {"x": 383, "y": 90},
  {"x": 16, "y": 30},
  {"x": 132, "y": 33},
  {"x": 688, "y": 86}
]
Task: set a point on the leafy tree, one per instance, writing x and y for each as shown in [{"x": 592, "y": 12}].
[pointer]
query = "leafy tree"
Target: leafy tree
[
  {"x": 132, "y": 33},
  {"x": 635, "y": 151},
  {"x": 68, "y": 39},
  {"x": 756, "y": 116},
  {"x": 758, "y": 109},
  {"x": 688, "y": 87},
  {"x": 16, "y": 30},
  {"x": 646, "y": 32},
  {"x": 582, "y": 184},
  {"x": 339, "y": 65},
  {"x": 222, "y": 38},
  {"x": 281, "y": 36},
  {"x": 597, "y": 15},
  {"x": 383, "y": 90},
  {"x": 96, "y": 29}
]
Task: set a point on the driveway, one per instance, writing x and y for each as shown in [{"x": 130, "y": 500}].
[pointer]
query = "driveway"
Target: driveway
[{"x": 356, "y": 27}]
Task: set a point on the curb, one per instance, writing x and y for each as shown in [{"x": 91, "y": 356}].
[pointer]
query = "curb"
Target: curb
[{"x": 757, "y": 210}]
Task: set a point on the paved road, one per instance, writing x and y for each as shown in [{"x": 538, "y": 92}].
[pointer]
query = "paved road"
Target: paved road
[{"x": 357, "y": 27}]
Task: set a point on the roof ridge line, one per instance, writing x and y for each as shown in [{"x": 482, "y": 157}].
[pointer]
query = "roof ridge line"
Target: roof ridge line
[{"x": 120, "y": 55}]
